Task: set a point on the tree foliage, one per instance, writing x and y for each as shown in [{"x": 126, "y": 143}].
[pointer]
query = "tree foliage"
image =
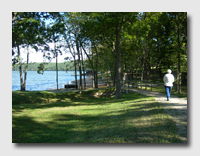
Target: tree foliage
[
  {"x": 28, "y": 30},
  {"x": 143, "y": 45}
]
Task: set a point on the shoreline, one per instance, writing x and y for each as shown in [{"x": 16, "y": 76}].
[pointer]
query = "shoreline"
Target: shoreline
[
  {"x": 89, "y": 77},
  {"x": 88, "y": 80},
  {"x": 47, "y": 81}
]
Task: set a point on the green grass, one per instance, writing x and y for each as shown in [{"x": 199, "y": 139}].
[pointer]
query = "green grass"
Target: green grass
[
  {"x": 43, "y": 117},
  {"x": 162, "y": 90}
]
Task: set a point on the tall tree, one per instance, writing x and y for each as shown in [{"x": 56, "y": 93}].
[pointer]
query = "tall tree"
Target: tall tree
[
  {"x": 181, "y": 43},
  {"x": 55, "y": 32},
  {"x": 108, "y": 28},
  {"x": 118, "y": 28},
  {"x": 27, "y": 30},
  {"x": 70, "y": 46},
  {"x": 72, "y": 22}
]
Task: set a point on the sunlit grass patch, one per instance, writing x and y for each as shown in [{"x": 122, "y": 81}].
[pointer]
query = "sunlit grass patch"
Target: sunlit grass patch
[
  {"x": 161, "y": 89},
  {"x": 75, "y": 118}
]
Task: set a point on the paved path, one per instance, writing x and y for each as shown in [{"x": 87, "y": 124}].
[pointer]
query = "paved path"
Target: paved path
[{"x": 176, "y": 108}]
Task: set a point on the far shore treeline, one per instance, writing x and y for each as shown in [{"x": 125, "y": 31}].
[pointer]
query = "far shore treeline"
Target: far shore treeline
[{"x": 64, "y": 66}]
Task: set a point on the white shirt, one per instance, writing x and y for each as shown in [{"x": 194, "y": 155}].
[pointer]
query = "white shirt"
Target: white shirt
[{"x": 168, "y": 79}]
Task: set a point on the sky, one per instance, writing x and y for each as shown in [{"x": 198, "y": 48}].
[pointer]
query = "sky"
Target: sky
[{"x": 38, "y": 56}]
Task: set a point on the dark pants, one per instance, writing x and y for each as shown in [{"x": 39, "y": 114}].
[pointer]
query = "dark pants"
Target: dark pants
[{"x": 168, "y": 91}]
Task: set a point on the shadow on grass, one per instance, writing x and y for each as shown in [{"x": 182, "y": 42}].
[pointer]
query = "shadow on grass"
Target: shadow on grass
[
  {"x": 34, "y": 97},
  {"x": 41, "y": 97},
  {"x": 98, "y": 129},
  {"x": 129, "y": 125},
  {"x": 36, "y": 100}
]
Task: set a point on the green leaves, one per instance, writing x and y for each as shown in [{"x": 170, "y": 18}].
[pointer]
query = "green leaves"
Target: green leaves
[
  {"x": 147, "y": 39},
  {"x": 41, "y": 68}
]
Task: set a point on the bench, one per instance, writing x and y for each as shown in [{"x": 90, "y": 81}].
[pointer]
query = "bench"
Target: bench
[{"x": 71, "y": 86}]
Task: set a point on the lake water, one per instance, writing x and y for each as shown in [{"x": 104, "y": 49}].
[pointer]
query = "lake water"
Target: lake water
[{"x": 39, "y": 82}]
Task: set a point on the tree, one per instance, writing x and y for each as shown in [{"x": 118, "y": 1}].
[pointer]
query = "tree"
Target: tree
[
  {"x": 179, "y": 19},
  {"x": 72, "y": 24},
  {"x": 70, "y": 46},
  {"x": 106, "y": 28},
  {"x": 55, "y": 31},
  {"x": 27, "y": 30},
  {"x": 118, "y": 28},
  {"x": 119, "y": 42}
]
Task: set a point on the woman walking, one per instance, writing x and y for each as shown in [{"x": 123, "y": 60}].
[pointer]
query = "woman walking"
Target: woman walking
[{"x": 168, "y": 83}]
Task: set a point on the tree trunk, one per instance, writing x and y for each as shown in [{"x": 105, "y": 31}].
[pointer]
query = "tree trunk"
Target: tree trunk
[
  {"x": 118, "y": 65},
  {"x": 74, "y": 56},
  {"x": 26, "y": 69},
  {"x": 93, "y": 73},
  {"x": 91, "y": 63},
  {"x": 143, "y": 65},
  {"x": 20, "y": 69},
  {"x": 111, "y": 73},
  {"x": 75, "y": 73},
  {"x": 79, "y": 65},
  {"x": 149, "y": 66},
  {"x": 83, "y": 69},
  {"x": 178, "y": 56},
  {"x": 115, "y": 67},
  {"x": 95, "y": 65},
  {"x": 96, "y": 80},
  {"x": 131, "y": 70},
  {"x": 56, "y": 65},
  {"x": 136, "y": 67},
  {"x": 93, "y": 79},
  {"x": 114, "y": 80}
]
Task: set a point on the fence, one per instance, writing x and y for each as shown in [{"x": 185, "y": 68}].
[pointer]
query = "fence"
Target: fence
[
  {"x": 140, "y": 85},
  {"x": 133, "y": 84}
]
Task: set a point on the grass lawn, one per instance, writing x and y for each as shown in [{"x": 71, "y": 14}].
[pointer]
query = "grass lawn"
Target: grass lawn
[
  {"x": 43, "y": 117},
  {"x": 161, "y": 89}
]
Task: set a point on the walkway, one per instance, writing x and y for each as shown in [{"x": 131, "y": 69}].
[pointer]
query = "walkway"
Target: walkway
[{"x": 176, "y": 108}]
